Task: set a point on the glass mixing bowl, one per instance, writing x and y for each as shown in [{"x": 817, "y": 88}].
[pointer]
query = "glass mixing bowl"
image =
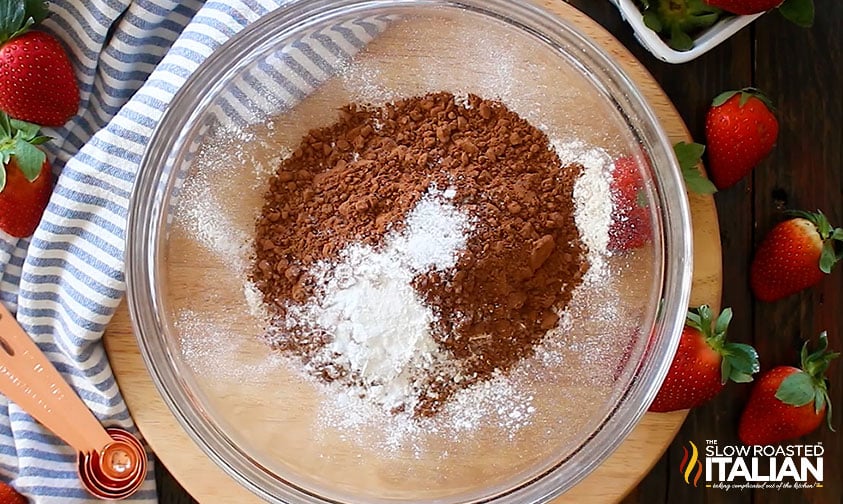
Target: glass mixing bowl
[{"x": 521, "y": 438}]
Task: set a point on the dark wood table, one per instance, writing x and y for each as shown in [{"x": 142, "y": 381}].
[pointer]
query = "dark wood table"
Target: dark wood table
[{"x": 799, "y": 69}]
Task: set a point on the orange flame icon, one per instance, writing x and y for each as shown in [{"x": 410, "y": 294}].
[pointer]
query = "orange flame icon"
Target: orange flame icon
[{"x": 686, "y": 467}]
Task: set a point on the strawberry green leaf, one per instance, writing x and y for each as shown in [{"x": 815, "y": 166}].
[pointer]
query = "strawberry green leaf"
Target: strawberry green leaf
[
  {"x": 798, "y": 12},
  {"x": 5, "y": 126},
  {"x": 653, "y": 22},
  {"x": 29, "y": 159},
  {"x": 814, "y": 366},
  {"x": 816, "y": 218},
  {"x": 677, "y": 20},
  {"x": 689, "y": 156},
  {"x": 24, "y": 129},
  {"x": 828, "y": 415},
  {"x": 796, "y": 390},
  {"x": 696, "y": 183},
  {"x": 738, "y": 377},
  {"x": 21, "y": 15},
  {"x": 37, "y": 10},
  {"x": 835, "y": 244},
  {"x": 722, "y": 323},
  {"x": 693, "y": 320},
  {"x": 2, "y": 177},
  {"x": 751, "y": 92},
  {"x": 819, "y": 402},
  {"x": 18, "y": 140},
  {"x": 745, "y": 95},
  {"x": 817, "y": 362},
  {"x": 739, "y": 361},
  {"x": 725, "y": 371},
  {"x": 828, "y": 257},
  {"x": 723, "y": 98},
  {"x": 12, "y": 14},
  {"x": 700, "y": 319},
  {"x": 743, "y": 357},
  {"x": 680, "y": 41},
  {"x": 743, "y": 362},
  {"x": 803, "y": 354}
]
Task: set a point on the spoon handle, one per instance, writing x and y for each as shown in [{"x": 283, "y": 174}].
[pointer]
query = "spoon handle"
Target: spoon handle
[{"x": 34, "y": 384}]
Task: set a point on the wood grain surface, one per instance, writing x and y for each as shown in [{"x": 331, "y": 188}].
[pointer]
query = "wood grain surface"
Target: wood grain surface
[{"x": 801, "y": 70}]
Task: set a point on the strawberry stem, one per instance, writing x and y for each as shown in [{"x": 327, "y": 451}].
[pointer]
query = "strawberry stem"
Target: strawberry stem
[{"x": 810, "y": 384}]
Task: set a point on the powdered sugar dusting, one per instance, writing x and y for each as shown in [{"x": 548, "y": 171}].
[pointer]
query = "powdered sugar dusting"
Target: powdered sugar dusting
[
  {"x": 208, "y": 193},
  {"x": 378, "y": 327},
  {"x": 204, "y": 341},
  {"x": 497, "y": 401},
  {"x": 199, "y": 209}
]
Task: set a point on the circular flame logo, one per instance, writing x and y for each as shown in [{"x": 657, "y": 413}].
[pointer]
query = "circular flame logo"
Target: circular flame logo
[{"x": 691, "y": 463}]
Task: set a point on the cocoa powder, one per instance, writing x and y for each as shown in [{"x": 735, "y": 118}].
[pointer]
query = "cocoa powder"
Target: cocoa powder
[{"x": 355, "y": 181}]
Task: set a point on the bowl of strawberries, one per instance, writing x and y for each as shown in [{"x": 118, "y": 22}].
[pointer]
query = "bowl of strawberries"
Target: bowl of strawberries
[{"x": 678, "y": 31}]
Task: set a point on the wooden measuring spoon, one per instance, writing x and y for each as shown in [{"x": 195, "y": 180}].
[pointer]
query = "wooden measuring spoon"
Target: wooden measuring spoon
[{"x": 111, "y": 462}]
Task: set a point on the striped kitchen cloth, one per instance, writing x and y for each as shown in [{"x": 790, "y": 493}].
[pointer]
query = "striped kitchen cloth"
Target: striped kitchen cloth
[{"x": 130, "y": 56}]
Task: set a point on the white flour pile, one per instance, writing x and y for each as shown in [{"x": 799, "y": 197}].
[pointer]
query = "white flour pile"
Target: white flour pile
[{"x": 379, "y": 328}]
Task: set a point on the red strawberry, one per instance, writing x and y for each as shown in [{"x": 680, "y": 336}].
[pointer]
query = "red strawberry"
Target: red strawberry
[
  {"x": 9, "y": 495},
  {"x": 37, "y": 83},
  {"x": 745, "y": 6},
  {"x": 795, "y": 254},
  {"x": 789, "y": 402},
  {"x": 800, "y": 12},
  {"x": 704, "y": 362},
  {"x": 631, "y": 226},
  {"x": 741, "y": 131},
  {"x": 26, "y": 180}
]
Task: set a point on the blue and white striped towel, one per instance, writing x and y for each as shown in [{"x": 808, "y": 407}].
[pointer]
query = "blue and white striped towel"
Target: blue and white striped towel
[{"x": 130, "y": 56}]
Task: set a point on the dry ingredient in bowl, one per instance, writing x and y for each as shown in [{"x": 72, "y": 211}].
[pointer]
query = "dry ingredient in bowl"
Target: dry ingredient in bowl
[{"x": 411, "y": 250}]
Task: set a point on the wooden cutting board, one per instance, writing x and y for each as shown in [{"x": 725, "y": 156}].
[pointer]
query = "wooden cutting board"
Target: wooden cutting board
[{"x": 207, "y": 483}]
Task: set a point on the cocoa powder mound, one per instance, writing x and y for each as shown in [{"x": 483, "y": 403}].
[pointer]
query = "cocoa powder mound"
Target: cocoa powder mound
[{"x": 356, "y": 180}]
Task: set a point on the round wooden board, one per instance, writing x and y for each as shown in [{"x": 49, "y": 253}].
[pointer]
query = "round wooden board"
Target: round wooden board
[{"x": 207, "y": 483}]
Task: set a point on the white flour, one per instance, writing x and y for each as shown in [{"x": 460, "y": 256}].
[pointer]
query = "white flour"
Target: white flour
[
  {"x": 592, "y": 204},
  {"x": 379, "y": 328}
]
